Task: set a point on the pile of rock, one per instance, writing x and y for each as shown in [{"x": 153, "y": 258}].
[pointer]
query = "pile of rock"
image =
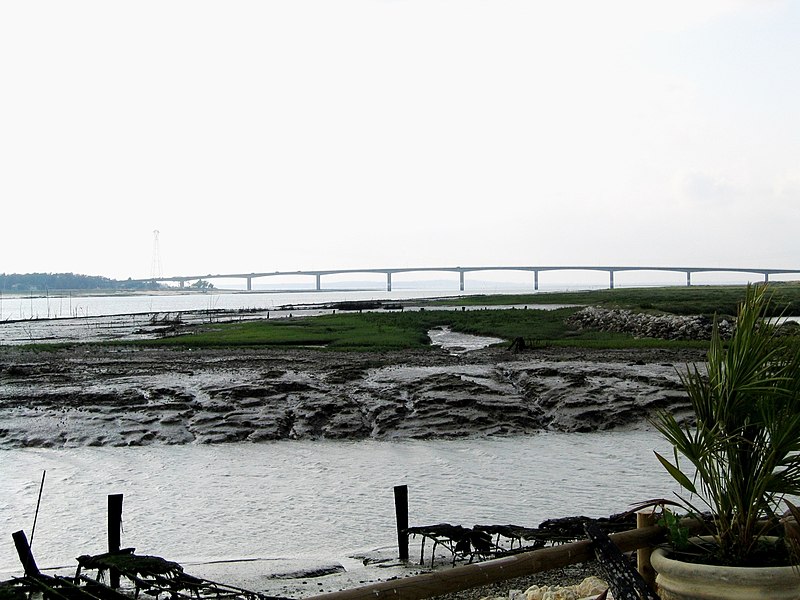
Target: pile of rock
[
  {"x": 641, "y": 325},
  {"x": 589, "y": 588}
]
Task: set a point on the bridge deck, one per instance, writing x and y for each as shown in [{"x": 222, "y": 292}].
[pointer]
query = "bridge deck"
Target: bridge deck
[{"x": 389, "y": 271}]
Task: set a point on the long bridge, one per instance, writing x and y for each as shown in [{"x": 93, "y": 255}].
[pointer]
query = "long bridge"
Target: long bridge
[{"x": 388, "y": 272}]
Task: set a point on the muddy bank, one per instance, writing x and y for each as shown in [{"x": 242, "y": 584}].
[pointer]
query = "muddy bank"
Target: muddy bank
[{"x": 122, "y": 396}]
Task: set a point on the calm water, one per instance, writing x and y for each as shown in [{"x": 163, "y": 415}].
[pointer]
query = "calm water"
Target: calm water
[
  {"x": 65, "y": 306},
  {"x": 312, "y": 499},
  {"x": 300, "y": 499}
]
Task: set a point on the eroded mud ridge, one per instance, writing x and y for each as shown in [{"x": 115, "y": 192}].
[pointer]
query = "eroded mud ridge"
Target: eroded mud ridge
[{"x": 124, "y": 396}]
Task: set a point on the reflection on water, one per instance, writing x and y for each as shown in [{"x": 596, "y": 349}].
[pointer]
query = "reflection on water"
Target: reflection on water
[
  {"x": 312, "y": 499},
  {"x": 459, "y": 343}
]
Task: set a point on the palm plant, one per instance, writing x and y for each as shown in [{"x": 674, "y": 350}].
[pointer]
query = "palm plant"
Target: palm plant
[{"x": 744, "y": 448}]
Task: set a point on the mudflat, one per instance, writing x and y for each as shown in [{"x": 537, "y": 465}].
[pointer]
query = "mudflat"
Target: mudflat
[{"x": 93, "y": 395}]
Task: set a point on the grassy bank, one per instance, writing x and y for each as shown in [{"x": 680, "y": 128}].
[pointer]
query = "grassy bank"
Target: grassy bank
[
  {"x": 408, "y": 329},
  {"x": 694, "y": 300}
]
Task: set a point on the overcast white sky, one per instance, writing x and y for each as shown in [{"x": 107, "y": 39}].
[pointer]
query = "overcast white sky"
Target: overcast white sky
[{"x": 286, "y": 135}]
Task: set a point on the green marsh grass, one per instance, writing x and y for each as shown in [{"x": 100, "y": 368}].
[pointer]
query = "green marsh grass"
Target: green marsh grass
[
  {"x": 400, "y": 330},
  {"x": 687, "y": 300},
  {"x": 407, "y": 330}
]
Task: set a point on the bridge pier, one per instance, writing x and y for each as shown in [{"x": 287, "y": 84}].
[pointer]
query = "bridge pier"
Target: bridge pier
[
  {"x": 388, "y": 281},
  {"x": 536, "y": 281},
  {"x": 182, "y": 282},
  {"x": 611, "y": 280},
  {"x": 319, "y": 282},
  {"x": 461, "y": 280},
  {"x": 688, "y": 278},
  {"x": 249, "y": 284},
  {"x": 766, "y": 277}
]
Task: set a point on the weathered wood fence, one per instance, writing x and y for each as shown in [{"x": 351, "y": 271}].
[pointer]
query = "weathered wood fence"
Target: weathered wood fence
[{"x": 463, "y": 577}]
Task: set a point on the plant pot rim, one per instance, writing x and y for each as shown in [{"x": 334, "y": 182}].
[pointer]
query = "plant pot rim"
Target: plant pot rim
[
  {"x": 678, "y": 580},
  {"x": 662, "y": 561}
]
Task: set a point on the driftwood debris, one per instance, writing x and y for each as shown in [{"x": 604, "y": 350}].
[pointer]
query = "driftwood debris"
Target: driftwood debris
[
  {"x": 64, "y": 588},
  {"x": 155, "y": 576},
  {"x": 461, "y": 542},
  {"x": 152, "y": 575},
  {"x": 570, "y": 529},
  {"x": 133, "y": 566},
  {"x": 514, "y": 533},
  {"x": 13, "y": 590},
  {"x": 477, "y": 543}
]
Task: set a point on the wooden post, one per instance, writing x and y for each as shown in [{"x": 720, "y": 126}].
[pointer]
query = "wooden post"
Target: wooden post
[
  {"x": 401, "y": 513},
  {"x": 114, "y": 538},
  {"x": 645, "y": 518},
  {"x": 24, "y": 553}
]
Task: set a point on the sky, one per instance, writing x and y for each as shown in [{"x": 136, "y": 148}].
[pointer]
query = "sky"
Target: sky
[{"x": 260, "y": 136}]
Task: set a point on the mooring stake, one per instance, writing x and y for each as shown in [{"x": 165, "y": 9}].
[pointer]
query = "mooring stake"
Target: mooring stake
[
  {"x": 114, "y": 535},
  {"x": 25, "y": 554},
  {"x": 401, "y": 513},
  {"x": 38, "y": 503}
]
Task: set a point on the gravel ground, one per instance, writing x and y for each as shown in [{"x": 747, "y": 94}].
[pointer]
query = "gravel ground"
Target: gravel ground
[{"x": 570, "y": 575}]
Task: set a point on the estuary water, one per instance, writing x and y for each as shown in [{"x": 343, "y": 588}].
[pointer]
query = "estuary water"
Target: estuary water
[
  {"x": 319, "y": 500},
  {"x": 298, "y": 500},
  {"x": 62, "y": 306}
]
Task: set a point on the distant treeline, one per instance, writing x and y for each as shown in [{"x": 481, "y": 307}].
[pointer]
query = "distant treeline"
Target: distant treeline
[{"x": 40, "y": 282}]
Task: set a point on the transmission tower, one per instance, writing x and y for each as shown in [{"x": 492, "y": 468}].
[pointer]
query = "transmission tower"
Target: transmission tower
[{"x": 155, "y": 270}]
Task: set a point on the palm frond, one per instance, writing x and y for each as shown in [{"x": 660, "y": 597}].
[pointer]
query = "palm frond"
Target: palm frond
[{"x": 743, "y": 451}]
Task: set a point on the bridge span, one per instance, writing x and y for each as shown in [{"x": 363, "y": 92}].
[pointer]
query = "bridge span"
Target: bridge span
[{"x": 388, "y": 272}]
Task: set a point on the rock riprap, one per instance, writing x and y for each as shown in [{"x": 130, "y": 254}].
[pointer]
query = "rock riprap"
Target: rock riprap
[
  {"x": 642, "y": 325},
  {"x": 117, "y": 396}
]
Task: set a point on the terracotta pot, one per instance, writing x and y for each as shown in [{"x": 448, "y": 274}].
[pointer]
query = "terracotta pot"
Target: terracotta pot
[{"x": 678, "y": 580}]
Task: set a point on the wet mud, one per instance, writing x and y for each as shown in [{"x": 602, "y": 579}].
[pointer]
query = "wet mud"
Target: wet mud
[{"x": 122, "y": 396}]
